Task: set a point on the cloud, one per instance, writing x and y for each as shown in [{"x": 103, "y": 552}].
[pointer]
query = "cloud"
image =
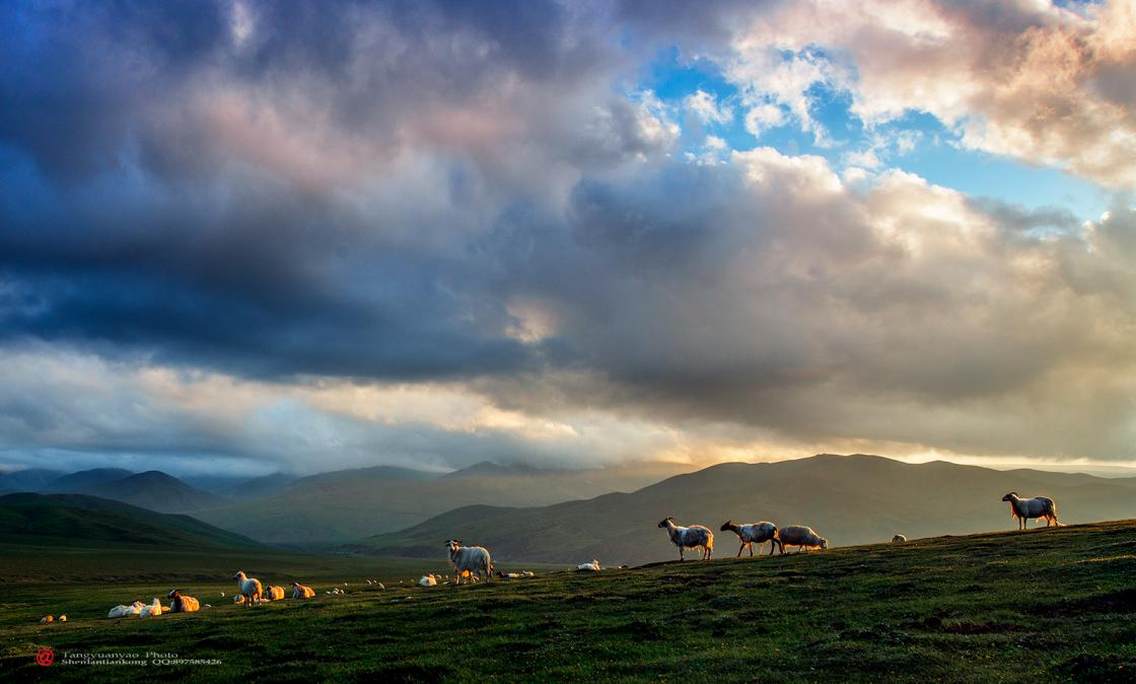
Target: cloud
[{"x": 429, "y": 233}]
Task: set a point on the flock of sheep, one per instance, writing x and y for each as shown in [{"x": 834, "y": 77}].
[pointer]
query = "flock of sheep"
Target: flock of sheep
[{"x": 474, "y": 563}]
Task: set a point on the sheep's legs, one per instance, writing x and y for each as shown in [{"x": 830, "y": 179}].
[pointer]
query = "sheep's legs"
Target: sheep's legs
[
  {"x": 740, "y": 550},
  {"x": 751, "y": 549}
]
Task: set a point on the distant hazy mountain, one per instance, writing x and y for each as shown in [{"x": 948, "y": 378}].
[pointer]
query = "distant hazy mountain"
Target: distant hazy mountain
[
  {"x": 347, "y": 505},
  {"x": 849, "y": 499},
  {"x": 239, "y": 487},
  {"x": 80, "y": 520},
  {"x": 28, "y": 479},
  {"x": 156, "y": 491},
  {"x": 84, "y": 480}
]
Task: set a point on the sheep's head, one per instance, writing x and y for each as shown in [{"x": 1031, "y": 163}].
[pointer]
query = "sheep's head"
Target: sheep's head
[
  {"x": 172, "y": 594},
  {"x": 453, "y": 544},
  {"x": 1010, "y": 496},
  {"x": 823, "y": 543},
  {"x": 240, "y": 576},
  {"x": 664, "y": 521},
  {"x": 729, "y": 524}
]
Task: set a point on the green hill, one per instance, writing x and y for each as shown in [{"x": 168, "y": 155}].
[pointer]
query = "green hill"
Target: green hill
[
  {"x": 83, "y": 521},
  {"x": 344, "y": 506},
  {"x": 1048, "y": 605},
  {"x": 848, "y": 499}
]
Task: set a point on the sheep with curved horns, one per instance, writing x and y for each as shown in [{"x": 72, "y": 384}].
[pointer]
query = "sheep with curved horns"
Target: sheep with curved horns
[
  {"x": 801, "y": 537},
  {"x": 898, "y": 539},
  {"x": 693, "y": 537},
  {"x": 249, "y": 587},
  {"x": 475, "y": 559},
  {"x": 1037, "y": 507},
  {"x": 753, "y": 533},
  {"x": 180, "y": 603}
]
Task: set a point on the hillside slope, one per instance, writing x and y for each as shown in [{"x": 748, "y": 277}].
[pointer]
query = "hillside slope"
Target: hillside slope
[
  {"x": 87, "y": 521},
  {"x": 849, "y": 499},
  {"x": 1046, "y": 605},
  {"x": 348, "y": 505}
]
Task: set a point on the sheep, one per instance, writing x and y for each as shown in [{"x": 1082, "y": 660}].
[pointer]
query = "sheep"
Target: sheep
[
  {"x": 693, "y": 537},
  {"x": 593, "y": 566},
  {"x": 474, "y": 559},
  {"x": 428, "y": 581},
  {"x": 299, "y": 591},
  {"x": 46, "y": 619},
  {"x": 180, "y": 603},
  {"x": 273, "y": 593},
  {"x": 239, "y": 599},
  {"x": 753, "y": 533},
  {"x": 1037, "y": 507},
  {"x": 122, "y": 611},
  {"x": 898, "y": 539},
  {"x": 801, "y": 536},
  {"x": 63, "y": 618},
  {"x": 152, "y": 609},
  {"x": 249, "y": 587}
]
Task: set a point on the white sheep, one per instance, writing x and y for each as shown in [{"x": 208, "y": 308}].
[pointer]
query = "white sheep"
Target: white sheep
[
  {"x": 152, "y": 609},
  {"x": 474, "y": 559},
  {"x": 249, "y": 587},
  {"x": 122, "y": 611},
  {"x": 898, "y": 539},
  {"x": 428, "y": 581},
  {"x": 1037, "y": 507},
  {"x": 800, "y": 537},
  {"x": 753, "y": 533},
  {"x": 693, "y": 537},
  {"x": 593, "y": 566}
]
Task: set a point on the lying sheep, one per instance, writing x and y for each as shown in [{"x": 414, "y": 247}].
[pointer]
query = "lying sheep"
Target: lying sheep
[
  {"x": 693, "y": 537},
  {"x": 46, "y": 619},
  {"x": 152, "y": 609},
  {"x": 299, "y": 591},
  {"x": 273, "y": 593},
  {"x": 898, "y": 539},
  {"x": 428, "y": 581},
  {"x": 63, "y": 618},
  {"x": 753, "y": 533},
  {"x": 593, "y": 566},
  {"x": 180, "y": 603},
  {"x": 474, "y": 559},
  {"x": 122, "y": 611},
  {"x": 800, "y": 537}
]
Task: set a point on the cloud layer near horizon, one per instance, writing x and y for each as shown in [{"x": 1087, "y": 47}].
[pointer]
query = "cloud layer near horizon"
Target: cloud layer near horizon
[{"x": 322, "y": 235}]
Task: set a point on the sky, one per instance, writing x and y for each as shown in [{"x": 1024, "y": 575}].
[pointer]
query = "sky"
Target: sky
[{"x": 242, "y": 236}]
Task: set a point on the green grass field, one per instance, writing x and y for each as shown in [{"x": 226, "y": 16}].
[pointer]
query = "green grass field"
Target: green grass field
[{"x": 1055, "y": 604}]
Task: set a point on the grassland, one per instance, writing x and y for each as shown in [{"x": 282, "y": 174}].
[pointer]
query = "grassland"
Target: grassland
[{"x": 1047, "y": 604}]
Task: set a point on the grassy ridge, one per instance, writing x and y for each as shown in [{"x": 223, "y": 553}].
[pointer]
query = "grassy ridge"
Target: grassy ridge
[{"x": 1056, "y": 603}]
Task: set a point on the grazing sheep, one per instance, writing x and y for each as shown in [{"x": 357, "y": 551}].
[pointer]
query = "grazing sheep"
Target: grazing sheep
[
  {"x": 273, "y": 593},
  {"x": 299, "y": 591},
  {"x": 800, "y": 537},
  {"x": 693, "y": 537},
  {"x": 753, "y": 533},
  {"x": 122, "y": 611},
  {"x": 898, "y": 539},
  {"x": 46, "y": 619},
  {"x": 249, "y": 587},
  {"x": 180, "y": 603},
  {"x": 474, "y": 559},
  {"x": 152, "y": 609},
  {"x": 593, "y": 566},
  {"x": 1037, "y": 507}
]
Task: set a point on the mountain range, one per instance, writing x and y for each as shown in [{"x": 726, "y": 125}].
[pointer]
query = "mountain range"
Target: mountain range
[{"x": 849, "y": 499}]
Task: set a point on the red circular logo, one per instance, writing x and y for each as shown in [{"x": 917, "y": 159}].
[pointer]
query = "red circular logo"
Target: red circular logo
[{"x": 45, "y": 656}]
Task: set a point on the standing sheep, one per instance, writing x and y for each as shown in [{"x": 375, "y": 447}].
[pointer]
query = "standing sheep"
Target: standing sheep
[
  {"x": 693, "y": 537},
  {"x": 474, "y": 559},
  {"x": 753, "y": 533},
  {"x": 249, "y": 587},
  {"x": 1037, "y": 507},
  {"x": 800, "y": 537}
]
